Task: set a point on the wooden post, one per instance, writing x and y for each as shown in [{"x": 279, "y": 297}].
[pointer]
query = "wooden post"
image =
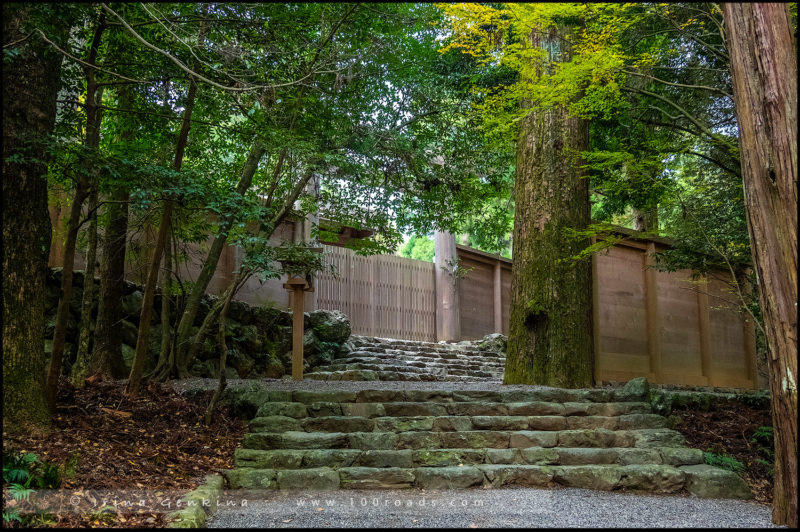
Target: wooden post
[
  {"x": 448, "y": 314},
  {"x": 498, "y": 297},
  {"x": 705, "y": 331},
  {"x": 653, "y": 320},
  {"x": 298, "y": 288},
  {"x": 595, "y": 315}
]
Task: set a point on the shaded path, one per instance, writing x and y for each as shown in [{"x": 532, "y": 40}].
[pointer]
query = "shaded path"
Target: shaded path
[{"x": 560, "y": 507}]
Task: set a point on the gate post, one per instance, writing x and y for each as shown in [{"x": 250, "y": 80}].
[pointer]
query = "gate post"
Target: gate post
[{"x": 448, "y": 312}]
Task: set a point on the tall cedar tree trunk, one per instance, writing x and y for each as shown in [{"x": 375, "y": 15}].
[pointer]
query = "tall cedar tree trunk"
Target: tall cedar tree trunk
[
  {"x": 30, "y": 87},
  {"x": 88, "y": 297},
  {"x": 764, "y": 70},
  {"x": 210, "y": 264},
  {"x": 82, "y": 190},
  {"x": 550, "y": 332}
]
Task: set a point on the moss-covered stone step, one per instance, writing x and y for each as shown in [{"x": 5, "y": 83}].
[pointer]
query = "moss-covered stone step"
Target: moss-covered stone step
[
  {"x": 336, "y": 422},
  {"x": 636, "y": 477},
  {"x": 551, "y": 395},
  {"x": 311, "y": 458},
  {"x": 394, "y": 365},
  {"x": 420, "y": 356},
  {"x": 586, "y": 415},
  {"x": 476, "y": 439}
]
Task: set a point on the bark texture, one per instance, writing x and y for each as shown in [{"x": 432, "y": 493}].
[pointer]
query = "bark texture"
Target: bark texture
[
  {"x": 764, "y": 71},
  {"x": 550, "y": 329},
  {"x": 30, "y": 88}
]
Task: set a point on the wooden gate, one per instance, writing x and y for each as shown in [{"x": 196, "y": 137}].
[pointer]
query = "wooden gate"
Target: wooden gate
[{"x": 383, "y": 295}]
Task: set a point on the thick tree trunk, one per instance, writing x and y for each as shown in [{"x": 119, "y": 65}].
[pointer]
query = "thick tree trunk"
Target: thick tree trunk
[
  {"x": 646, "y": 220},
  {"x": 764, "y": 70},
  {"x": 550, "y": 330},
  {"x": 106, "y": 358},
  {"x": 30, "y": 88},
  {"x": 210, "y": 265},
  {"x": 166, "y": 297}
]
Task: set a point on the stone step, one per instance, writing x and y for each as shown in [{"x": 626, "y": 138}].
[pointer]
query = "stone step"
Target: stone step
[
  {"x": 408, "y": 458},
  {"x": 595, "y": 402},
  {"x": 442, "y": 370},
  {"x": 635, "y": 477},
  {"x": 363, "y": 356},
  {"x": 350, "y": 423},
  {"x": 574, "y": 411},
  {"x": 423, "y": 349},
  {"x": 475, "y": 439},
  {"x": 413, "y": 357},
  {"x": 371, "y": 375}
]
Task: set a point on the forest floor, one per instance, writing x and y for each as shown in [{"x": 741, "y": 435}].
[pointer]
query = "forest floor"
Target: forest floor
[
  {"x": 737, "y": 436},
  {"x": 103, "y": 440}
]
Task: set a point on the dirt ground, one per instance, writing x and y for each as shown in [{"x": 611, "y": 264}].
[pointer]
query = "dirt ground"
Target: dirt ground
[
  {"x": 155, "y": 442},
  {"x": 732, "y": 429}
]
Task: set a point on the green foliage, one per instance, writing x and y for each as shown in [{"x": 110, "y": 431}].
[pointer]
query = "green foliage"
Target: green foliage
[
  {"x": 418, "y": 248},
  {"x": 28, "y": 471},
  {"x": 724, "y": 461},
  {"x": 23, "y": 474},
  {"x": 764, "y": 439}
]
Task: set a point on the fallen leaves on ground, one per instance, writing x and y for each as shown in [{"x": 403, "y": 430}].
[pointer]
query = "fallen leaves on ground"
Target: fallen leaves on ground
[
  {"x": 155, "y": 441},
  {"x": 728, "y": 429}
]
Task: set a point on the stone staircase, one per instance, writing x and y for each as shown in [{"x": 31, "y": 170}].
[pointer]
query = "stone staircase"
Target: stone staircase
[
  {"x": 604, "y": 439},
  {"x": 387, "y": 359}
]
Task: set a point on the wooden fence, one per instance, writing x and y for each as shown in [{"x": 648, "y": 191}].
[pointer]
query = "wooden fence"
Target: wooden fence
[
  {"x": 383, "y": 295},
  {"x": 647, "y": 323}
]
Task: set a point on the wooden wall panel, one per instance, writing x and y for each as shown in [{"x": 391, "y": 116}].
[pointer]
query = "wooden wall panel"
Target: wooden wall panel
[
  {"x": 729, "y": 356},
  {"x": 622, "y": 350},
  {"x": 680, "y": 325},
  {"x": 476, "y": 298}
]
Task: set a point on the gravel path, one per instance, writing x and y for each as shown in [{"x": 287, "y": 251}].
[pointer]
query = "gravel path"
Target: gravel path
[{"x": 559, "y": 507}]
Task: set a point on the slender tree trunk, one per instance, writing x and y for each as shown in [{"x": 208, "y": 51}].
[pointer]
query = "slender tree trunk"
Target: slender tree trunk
[
  {"x": 166, "y": 296},
  {"x": 550, "y": 333},
  {"x": 30, "y": 87},
  {"x": 210, "y": 264},
  {"x": 106, "y": 357},
  {"x": 223, "y": 353},
  {"x": 88, "y": 297},
  {"x": 142, "y": 340},
  {"x": 82, "y": 190},
  {"x": 764, "y": 71},
  {"x": 62, "y": 313}
]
